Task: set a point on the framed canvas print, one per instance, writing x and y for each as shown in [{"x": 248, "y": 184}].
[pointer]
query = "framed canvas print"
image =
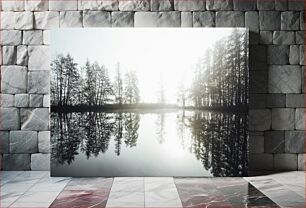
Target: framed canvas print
[{"x": 149, "y": 102}]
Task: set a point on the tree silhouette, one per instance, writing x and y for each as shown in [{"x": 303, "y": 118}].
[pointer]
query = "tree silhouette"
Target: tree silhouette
[
  {"x": 131, "y": 125},
  {"x": 64, "y": 80},
  {"x": 131, "y": 91},
  {"x": 118, "y": 85}
]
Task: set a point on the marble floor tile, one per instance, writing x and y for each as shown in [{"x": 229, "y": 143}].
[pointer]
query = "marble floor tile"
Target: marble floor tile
[
  {"x": 16, "y": 187},
  {"x": 50, "y": 184},
  {"x": 157, "y": 184},
  {"x": 277, "y": 192},
  {"x": 167, "y": 197},
  {"x": 35, "y": 199},
  {"x": 126, "y": 200},
  {"x": 7, "y": 176},
  {"x": 89, "y": 184},
  {"x": 81, "y": 199},
  {"x": 128, "y": 185},
  {"x": 9, "y": 198}
]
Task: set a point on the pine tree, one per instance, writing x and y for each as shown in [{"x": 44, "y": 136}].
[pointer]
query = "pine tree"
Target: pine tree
[{"x": 131, "y": 91}]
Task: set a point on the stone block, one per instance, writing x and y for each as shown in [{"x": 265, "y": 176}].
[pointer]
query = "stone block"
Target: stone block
[
  {"x": 37, "y": 5},
  {"x": 300, "y": 119},
  {"x": 6, "y": 100},
  {"x": 44, "y": 141},
  {"x": 10, "y": 119},
  {"x": 185, "y": 6},
  {"x": 4, "y": 141},
  {"x": 257, "y": 101},
  {"x": 9, "y": 55},
  {"x": 63, "y": 5},
  {"x": 246, "y": 5},
  {"x": 265, "y": 5},
  {"x": 21, "y": 100},
  {"x": 283, "y": 118},
  {"x": 71, "y": 19},
  {"x": 36, "y": 100},
  {"x": 14, "y": 79},
  {"x": 294, "y": 141},
  {"x": 40, "y": 162},
  {"x": 301, "y": 161},
  {"x": 256, "y": 144},
  {"x": 100, "y": 5},
  {"x": 290, "y": 20},
  {"x": 303, "y": 79},
  {"x": 23, "y": 142},
  {"x": 295, "y": 100},
  {"x": 252, "y": 21},
  {"x": 46, "y": 101},
  {"x": 39, "y": 58},
  {"x": 269, "y": 20},
  {"x": 283, "y": 37},
  {"x": 258, "y": 56},
  {"x": 276, "y": 100},
  {"x": 16, "y": 162},
  {"x": 122, "y": 19},
  {"x": 186, "y": 19},
  {"x": 294, "y": 54},
  {"x": 39, "y": 82},
  {"x": 7, "y": 22},
  {"x": 302, "y": 55},
  {"x": 278, "y": 54},
  {"x": 24, "y": 20},
  {"x": 296, "y": 5},
  {"x": 35, "y": 119},
  {"x": 157, "y": 19},
  {"x": 10, "y": 37},
  {"x": 222, "y": 5},
  {"x": 22, "y": 55},
  {"x": 285, "y": 79},
  {"x": 33, "y": 37},
  {"x": 299, "y": 37},
  {"x": 13, "y": 6},
  {"x": 260, "y": 162},
  {"x": 274, "y": 141},
  {"x": 97, "y": 19},
  {"x": 230, "y": 19},
  {"x": 258, "y": 82},
  {"x": 203, "y": 19},
  {"x": 46, "y": 20},
  {"x": 46, "y": 37},
  {"x": 281, "y": 5},
  {"x": 259, "y": 119},
  {"x": 134, "y": 5},
  {"x": 285, "y": 162},
  {"x": 302, "y": 20},
  {"x": 162, "y": 5}
]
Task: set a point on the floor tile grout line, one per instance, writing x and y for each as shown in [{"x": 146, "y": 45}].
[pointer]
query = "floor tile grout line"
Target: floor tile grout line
[
  {"x": 267, "y": 194},
  {"x": 110, "y": 191},
  {"x": 61, "y": 191},
  {"x": 25, "y": 190}
]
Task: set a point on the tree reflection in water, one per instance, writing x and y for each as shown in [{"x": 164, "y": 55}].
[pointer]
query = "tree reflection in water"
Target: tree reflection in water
[{"x": 218, "y": 140}]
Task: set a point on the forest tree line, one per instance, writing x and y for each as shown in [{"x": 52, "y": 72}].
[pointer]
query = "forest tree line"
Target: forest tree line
[
  {"x": 220, "y": 79},
  {"x": 90, "y": 84}
]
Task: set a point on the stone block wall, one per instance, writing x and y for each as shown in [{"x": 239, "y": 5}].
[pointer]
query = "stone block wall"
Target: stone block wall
[{"x": 276, "y": 123}]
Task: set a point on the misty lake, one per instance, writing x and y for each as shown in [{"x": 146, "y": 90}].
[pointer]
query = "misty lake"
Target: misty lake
[{"x": 149, "y": 143}]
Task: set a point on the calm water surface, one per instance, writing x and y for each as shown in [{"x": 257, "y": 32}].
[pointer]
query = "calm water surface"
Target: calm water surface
[{"x": 161, "y": 143}]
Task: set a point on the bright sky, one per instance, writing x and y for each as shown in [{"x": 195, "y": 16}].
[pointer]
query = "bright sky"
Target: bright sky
[{"x": 153, "y": 52}]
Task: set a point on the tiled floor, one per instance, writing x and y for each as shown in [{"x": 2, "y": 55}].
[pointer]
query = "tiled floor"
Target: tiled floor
[{"x": 37, "y": 189}]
